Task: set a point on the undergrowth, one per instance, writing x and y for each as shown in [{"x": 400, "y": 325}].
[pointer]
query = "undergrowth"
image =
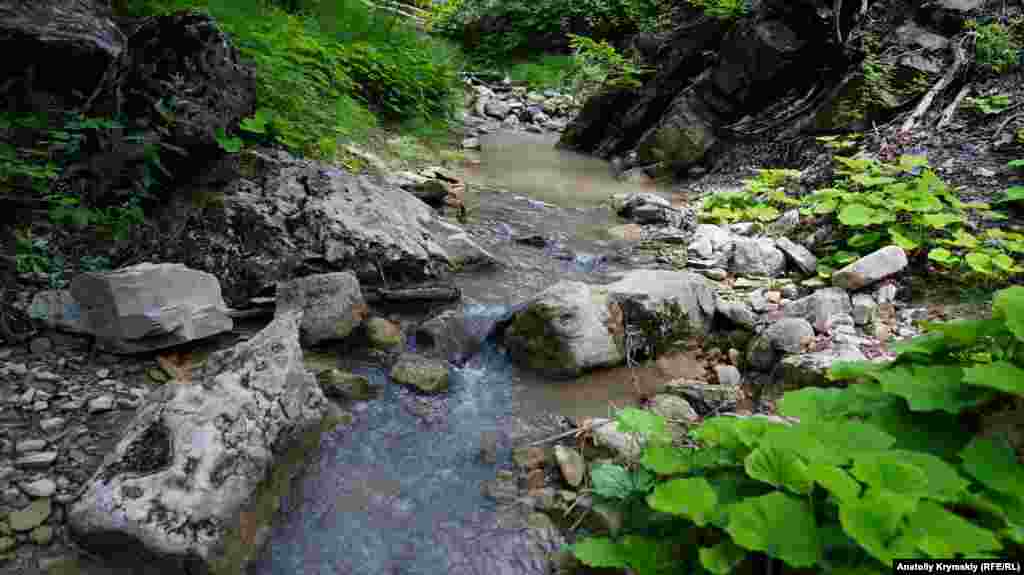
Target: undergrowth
[{"x": 899, "y": 463}]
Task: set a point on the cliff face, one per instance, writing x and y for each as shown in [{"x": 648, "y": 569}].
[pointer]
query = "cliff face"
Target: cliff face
[{"x": 785, "y": 68}]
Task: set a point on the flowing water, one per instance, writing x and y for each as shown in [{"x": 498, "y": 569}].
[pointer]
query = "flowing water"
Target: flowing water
[{"x": 398, "y": 491}]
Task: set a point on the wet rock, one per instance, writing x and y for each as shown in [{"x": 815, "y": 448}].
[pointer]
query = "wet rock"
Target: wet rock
[
  {"x": 811, "y": 369},
  {"x": 488, "y": 447},
  {"x": 156, "y": 491},
  {"x": 497, "y": 109},
  {"x": 566, "y": 329},
  {"x": 150, "y": 306},
  {"x": 345, "y": 386},
  {"x": 758, "y": 257},
  {"x": 424, "y": 374},
  {"x": 383, "y": 333},
  {"x": 332, "y": 305},
  {"x": 571, "y": 464},
  {"x": 871, "y": 268},
  {"x": 674, "y": 408},
  {"x": 30, "y": 517},
  {"x": 453, "y": 334},
  {"x": 820, "y": 305},
  {"x": 801, "y": 257},
  {"x": 504, "y": 488},
  {"x": 865, "y": 310},
  {"x": 466, "y": 254}
]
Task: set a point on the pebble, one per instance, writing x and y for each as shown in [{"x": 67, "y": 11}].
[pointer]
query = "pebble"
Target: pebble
[
  {"x": 40, "y": 488},
  {"x": 52, "y": 424},
  {"x": 101, "y": 404},
  {"x": 40, "y": 345},
  {"x": 29, "y": 445},
  {"x": 571, "y": 463},
  {"x": 103, "y": 373},
  {"x": 39, "y": 460}
]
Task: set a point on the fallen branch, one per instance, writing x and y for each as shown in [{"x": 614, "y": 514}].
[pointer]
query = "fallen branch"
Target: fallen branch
[
  {"x": 959, "y": 60},
  {"x": 569, "y": 433},
  {"x": 947, "y": 114}
]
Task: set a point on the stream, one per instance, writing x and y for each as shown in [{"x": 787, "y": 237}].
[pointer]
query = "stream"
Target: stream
[{"x": 398, "y": 490}]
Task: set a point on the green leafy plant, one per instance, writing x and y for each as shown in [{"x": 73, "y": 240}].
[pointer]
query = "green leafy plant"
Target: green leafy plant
[
  {"x": 995, "y": 48},
  {"x": 890, "y": 466},
  {"x": 988, "y": 105},
  {"x": 599, "y": 65},
  {"x": 904, "y": 203},
  {"x": 723, "y": 9},
  {"x": 762, "y": 199}
]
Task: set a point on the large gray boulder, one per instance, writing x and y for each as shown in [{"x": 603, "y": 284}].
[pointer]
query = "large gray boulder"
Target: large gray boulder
[
  {"x": 819, "y": 306},
  {"x": 332, "y": 305},
  {"x": 572, "y": 327},
  {"x": 287, "y": 217},
  {"x": 150, "y": 306},
  {"x": 785, "y": 336},
  {"x": 758, "y": 257},
  {"x": 569, "y": 328},
  {"x": 189, "y": 464},
  {"x": 871, "y": 268}
]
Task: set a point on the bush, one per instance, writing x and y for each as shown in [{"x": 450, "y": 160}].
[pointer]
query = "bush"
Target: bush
[
  {"x": 516, "y": 28},
  {"x": 897, "y": 464},
  {"x": 723, "y": 9},
  {"x": 325, "y": 67}
]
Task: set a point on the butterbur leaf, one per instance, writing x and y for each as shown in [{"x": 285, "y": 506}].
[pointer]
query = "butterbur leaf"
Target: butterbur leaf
[
  {"x": 779, "y": 467},
  {"x": 616, "y": 482},
  {"x": 913, "y": 474},
  {"x": 1014, "y": 194},
  {"x": 829, "y": 404},
  {"x": 888, "y": 473},
  {"x": 693, "y": 498},
  {"x": 878, "y": 523},
  {"x": 1008, "y": 305},
  {"x": 903, "y": 240},
  {"x": 722, "y": 558},
  {"x": 633, "y": 420},
  {"x": 720, "y": 432},
  {"x": 667, "y": 460},
  {"x": 856, "y": 215},
  {"x": 943, "y": 256},
  {"x": 943, "y": 534},
  {"x": 927, "y": 344},
  {"x": 979, "y": 262},
  {"x": 599, "y": 552},
  {"x": 778, "y": 524},
  {"x": 931, "y": 387},
  {"x": 835, "y": 480},
  {"x": 939, "y": 221},
  {"x": 645, "y": 555},
  {"x": 994, "y": 463},
  {"x": 845, "y": 370},
  {"x": 1001, "y": 375},
  {"x": 763, "y": 213},
  {"x": 864, "y": 240}
]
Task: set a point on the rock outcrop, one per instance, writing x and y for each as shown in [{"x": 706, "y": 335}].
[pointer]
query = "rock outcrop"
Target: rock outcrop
[
  {"x": 287, "y": 217},
  {"x": 195, "y": 454},
  {"x": 150, "y": 306}
]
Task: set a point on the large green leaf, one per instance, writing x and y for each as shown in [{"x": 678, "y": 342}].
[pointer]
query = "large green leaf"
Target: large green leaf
[
  {"x": 857, "y": 215},
  {"x": 722, "y": 558},
  {"x": 847, "y": 370},
  {"x": 779, "y": 467},
  {"x": 939, "y": 221},
  {"x": 648, "y": 556},
  {"x": 616, "y": 482},
  {"x": 943, "y": 534},
  {"x": 910, "y": 473},
  {"x": 830, "y": 404},
  {"x": 599, "y": 552},
  {"x": 830, "y": 442},
  {"x": 650, "y": 425},
  {"x": 778, "y": 524},
  {"x": 669, "y": 460},
  {"x": 835, "y": 480},
  {"x": 1008, "y": 305},
  {"x": 693, "y": 498},
  {"x": 931, "y": 387},
  {"x": 1001, "y": 375},
  {"x": 927, "y": 344},
  {"x": 878, "y": 522},
  {"x": 937, "y": 432},
  {"x": 993, "y": 462}
]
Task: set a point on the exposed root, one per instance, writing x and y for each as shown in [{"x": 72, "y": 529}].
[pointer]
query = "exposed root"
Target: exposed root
[{"x": 959, "y": 61}]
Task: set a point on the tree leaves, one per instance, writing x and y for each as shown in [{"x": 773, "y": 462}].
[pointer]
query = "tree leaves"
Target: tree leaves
[{"x": 780, "y": 525}]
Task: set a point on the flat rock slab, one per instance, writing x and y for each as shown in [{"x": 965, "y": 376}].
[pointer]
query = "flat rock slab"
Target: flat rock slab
[
  {"x": 193, "y": 457},
  {"x": 871, "y": 268},
  {"x": 148, "y": 306}
]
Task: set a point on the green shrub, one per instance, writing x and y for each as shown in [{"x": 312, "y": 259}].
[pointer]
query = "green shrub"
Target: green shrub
[
  {"x": 516, "y": 28},
  {"x": 597, "y": 65},
  {"x": 547, "y": 71},
  {"x": 762, "y": 199},
  {"x": 723, "y": 9},
  {"x": 988, "y": 105},
  {"x": 994, "y": 47},
  {"x": 894, "y": 465}
]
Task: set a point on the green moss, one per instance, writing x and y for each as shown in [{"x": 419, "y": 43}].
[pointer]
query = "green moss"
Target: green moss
[
  {"x": 530, "y": 337},
  {"x": 240, "y": 542},
  {"x": 665, "y": 328}
]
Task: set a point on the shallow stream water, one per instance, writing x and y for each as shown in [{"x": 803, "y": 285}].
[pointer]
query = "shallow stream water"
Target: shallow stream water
[{"x": 398, "y": 491}]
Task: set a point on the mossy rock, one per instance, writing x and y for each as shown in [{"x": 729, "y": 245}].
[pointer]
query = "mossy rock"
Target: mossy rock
[
  {"x": 426, "y": 375},
  {"x": 345, "y": 386},
  {"x": 383, "y": 333},
  {"x": 531, "y": 338}
]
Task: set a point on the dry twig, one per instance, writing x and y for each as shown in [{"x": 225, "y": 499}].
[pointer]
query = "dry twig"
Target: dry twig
[{"x": 959, "y": 61}]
